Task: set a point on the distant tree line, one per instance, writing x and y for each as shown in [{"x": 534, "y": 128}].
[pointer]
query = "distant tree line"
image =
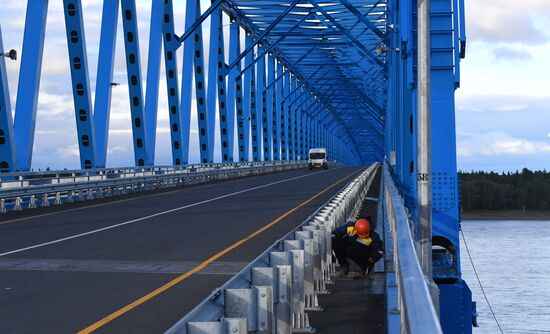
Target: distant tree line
[{"x": 525, "y": 190}]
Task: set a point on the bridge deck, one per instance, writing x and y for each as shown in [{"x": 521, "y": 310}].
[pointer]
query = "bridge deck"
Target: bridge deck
[{"x": 65, "y": 268}]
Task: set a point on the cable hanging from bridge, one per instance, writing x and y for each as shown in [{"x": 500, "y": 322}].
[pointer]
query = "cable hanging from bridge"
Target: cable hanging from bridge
[{"x": 479, "y": 281}]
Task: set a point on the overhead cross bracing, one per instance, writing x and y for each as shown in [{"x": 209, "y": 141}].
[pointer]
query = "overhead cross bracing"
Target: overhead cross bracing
[
  {"x": 296, "y": 75},
  {"x": 330, "y": 46}
]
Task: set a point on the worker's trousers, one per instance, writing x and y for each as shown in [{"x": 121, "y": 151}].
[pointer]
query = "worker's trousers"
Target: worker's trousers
[{"x": 350, "y": 249}]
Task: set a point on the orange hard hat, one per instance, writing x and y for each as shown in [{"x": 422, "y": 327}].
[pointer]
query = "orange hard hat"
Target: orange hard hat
[{"x": 362, "y": 227}]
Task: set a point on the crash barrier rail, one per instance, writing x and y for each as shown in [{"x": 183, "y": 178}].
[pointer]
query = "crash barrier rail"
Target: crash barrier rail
[
  {"x": 33, "y": 189},
  {"x": 414, "y": 302},
  {"x": 273, "y": 293}
]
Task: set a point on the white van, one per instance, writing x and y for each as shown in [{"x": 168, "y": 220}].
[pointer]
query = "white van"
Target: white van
[{"x": 317, "y": 158}]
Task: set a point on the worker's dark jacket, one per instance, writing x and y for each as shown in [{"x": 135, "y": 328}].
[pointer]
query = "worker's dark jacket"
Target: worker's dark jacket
[{"x": 363, "y": 251}]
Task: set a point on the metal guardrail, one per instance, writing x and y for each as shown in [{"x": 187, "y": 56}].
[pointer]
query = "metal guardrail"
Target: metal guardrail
[
  {"x": 417, "y": 312},
  {"x": 273, "y": 293},
  {"x": 32, "y": 189}
]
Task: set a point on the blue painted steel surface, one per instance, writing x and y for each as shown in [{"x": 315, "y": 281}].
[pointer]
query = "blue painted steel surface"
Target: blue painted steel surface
[
  {"x": 205, "y": 145},
  {"x": 78, "y": 59},
  {"x": 278, "y": 114},
  {"x": 217, "y": 55},
  {"x": 285, "y": 127},
  {"x": 29, "y": 82},
  {"x": 171, "y": 69},
  {"x": 455, "y": 307},
  {"x": 261, "y": 106},
  {"x": 157, "y": 24},
  {"x": 273, "y": 130},
  {"x": 104, "y": 79},
  {"x": 236, "y": 80},
  {"x": 7, "y": 140},
  {"x": 251, "y": 102},
  {"x": 187, "y": 80},
  {"x": 133, "y": 67},
  {"x": 232, "y": 115}
]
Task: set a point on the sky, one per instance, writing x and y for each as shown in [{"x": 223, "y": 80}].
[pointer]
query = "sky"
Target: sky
[{"x": 503, "y": 105}]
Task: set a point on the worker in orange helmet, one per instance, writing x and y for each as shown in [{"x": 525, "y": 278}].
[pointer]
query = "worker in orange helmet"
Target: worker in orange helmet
[{"x": 359, "y": 242}]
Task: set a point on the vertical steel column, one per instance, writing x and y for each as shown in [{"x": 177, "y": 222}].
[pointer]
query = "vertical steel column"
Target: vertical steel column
[
  {"x": 29, "y": 84},
  {"x": 424, "y": 139},
  {"x": 217, "y": 60},
  {"x": 187, "y": 80},
  {"x": 251, "y": 83},
  {"x": 307, "y": 144},
  {"x": 133, "y": 66},
  {"x": 278, "y": 129},
  {"x": 272, "y": 142},
  {"x": 232, "y": 115},
  {"x": 290, "y": 129},
  {"x": 236, "y": 81},
  {"x": 103, "y": 87},
  {"x": 285, "y": 90},
  {"x": 153, "y": 77},
  {"x": 81, "y": 84},
  {"x": 299, "y": 132},
  {"x": 7, "y": 140},
  {"x": 171, "y": 69},
  {"x": 206, "y": 152},
  {"x": 248, "y": 78},
  {"x": 212, "y": 89},
  {"x": 261, "y": 103}
]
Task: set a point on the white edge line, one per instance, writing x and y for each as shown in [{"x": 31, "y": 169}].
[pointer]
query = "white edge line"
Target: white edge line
[{"x": 153, "y": 215}]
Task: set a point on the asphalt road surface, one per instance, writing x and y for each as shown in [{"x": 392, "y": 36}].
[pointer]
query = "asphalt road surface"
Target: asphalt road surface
[{"x": 138, "y": 263}]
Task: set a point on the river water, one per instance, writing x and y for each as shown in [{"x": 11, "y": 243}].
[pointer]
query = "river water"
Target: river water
[{"x": 512, "y": 259}]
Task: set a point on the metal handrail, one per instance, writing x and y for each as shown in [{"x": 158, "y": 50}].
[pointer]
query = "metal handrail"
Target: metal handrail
[
  {"x": 22, "y": 179},
  {"x": 61, "y": 188},
  {"x": 418, "y": 314}
]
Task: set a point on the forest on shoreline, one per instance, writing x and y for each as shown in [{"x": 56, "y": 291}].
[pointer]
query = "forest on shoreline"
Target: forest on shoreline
[{"x": 519, "y": 191}]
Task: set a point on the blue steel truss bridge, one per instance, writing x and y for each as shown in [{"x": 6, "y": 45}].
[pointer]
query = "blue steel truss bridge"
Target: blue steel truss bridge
[{"x": 234, "y": 235}]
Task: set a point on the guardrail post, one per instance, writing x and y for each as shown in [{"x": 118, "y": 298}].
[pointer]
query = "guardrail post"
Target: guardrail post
[
  {"x": 311, "y": 302},
  {"x": 226, "y": 326},
  {"x": 279, "y": 278},
  {"x": 57, "y": 199},
  {"x": 294, "y": 256},
  {"x": 89, "y": 194},
  {"x": 32, "y": 202},
  {"x": 255, "y": 304},
  {"x": 2, "y": 206},
  {"x": 318, "y": 248},
  {"x": 45, "y": 200},
  {"x": 17, "y": 206},
  {"x": 70, "y": 196}
]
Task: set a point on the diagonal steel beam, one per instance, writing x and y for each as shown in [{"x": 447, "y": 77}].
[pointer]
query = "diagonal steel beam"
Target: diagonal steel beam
[
  {"x": 362, "y": 18},
  {"x": 265, "y": 32}
]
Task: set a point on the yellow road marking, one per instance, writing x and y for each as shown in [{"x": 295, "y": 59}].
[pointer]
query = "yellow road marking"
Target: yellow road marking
[
  {"x": 111, "y": 202},
  {"x": 203, "y": 265}
]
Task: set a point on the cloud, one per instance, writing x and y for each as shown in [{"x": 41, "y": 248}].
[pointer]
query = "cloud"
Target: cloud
[
  {"x": 68, "y": 152},
  {"x": 510, "y": 53},
  {"x": 503, "y": 21},
  {"x": 498, "y": 144},
  {"x": 496, "y": 103}
]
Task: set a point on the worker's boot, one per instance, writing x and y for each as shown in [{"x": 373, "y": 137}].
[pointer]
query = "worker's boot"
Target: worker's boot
[{"x": 343, "y": 271}]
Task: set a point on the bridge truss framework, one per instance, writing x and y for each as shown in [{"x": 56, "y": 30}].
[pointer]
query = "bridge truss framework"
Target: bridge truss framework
[{"x": 298, "y": 74}]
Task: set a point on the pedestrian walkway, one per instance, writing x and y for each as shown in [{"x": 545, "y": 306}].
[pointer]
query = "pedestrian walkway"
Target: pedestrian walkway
[{"x": 355, "y": 305}]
